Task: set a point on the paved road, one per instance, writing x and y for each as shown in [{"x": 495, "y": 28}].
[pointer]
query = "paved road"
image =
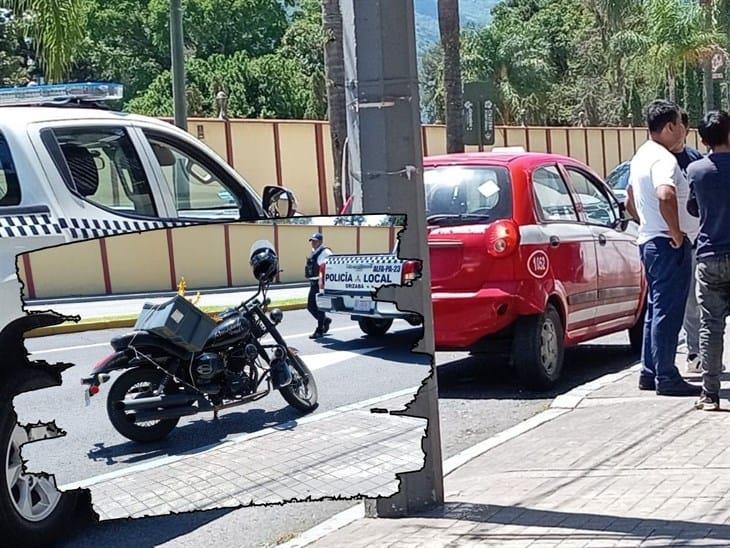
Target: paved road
[{"x": 478, "y": 399}]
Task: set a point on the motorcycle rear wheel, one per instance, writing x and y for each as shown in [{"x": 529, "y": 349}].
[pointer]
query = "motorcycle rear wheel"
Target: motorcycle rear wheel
[
  {"x": 301, "y": 393},
  {"x": 137, "y": 382}
]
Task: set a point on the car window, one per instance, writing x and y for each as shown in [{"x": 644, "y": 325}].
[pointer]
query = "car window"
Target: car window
[
  {"x": 9, "y": 184},
  {"x": 598, "y": 208},
  {"x": 552, "y": 195},
  {"x": 454, "y": 190},
  {"x": 195, "y": 186},
  {"x": 103, "y": 167},
  {"x": 619, "y": 177}
]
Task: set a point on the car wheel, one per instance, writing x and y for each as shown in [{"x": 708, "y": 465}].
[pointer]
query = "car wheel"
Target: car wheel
[
  {"x": 636, "y": 333},
  {"x": 374, "y": 327},
  {"x": 538, "y": 349},
  {"x": 33, "y": 512}
]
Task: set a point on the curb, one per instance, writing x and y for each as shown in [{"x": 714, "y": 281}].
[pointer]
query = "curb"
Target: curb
[
  {"x": 562, "y": 405},
  {"x": 97, "y": 325}
]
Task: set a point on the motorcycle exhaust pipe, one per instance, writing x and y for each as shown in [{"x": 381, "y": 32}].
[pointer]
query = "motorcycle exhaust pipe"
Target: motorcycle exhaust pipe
[
  {"x": 165, "y": 400},
  {"x": 163, "y": 414}
]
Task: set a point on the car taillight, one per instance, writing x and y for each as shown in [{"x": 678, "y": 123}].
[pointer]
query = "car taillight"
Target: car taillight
[
  {"x": 411, "y": 270},
  {"x": 322, "y": 269},
  {"x": 503, "y": 237}
]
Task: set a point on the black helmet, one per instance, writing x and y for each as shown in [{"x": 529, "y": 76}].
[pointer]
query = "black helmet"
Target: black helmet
[{"x": 264, "y": 262}]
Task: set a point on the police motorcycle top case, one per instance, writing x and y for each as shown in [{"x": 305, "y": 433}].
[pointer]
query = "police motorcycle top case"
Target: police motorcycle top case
[{"x": 71, "y": 169}]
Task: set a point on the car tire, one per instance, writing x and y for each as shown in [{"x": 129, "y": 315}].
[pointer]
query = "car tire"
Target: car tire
[
  {"x": 374, "y": 327},
  {"x": 538, "y": 349},
  {"x": 48, "y": 512},
  {"x": 636, "y": 333}
]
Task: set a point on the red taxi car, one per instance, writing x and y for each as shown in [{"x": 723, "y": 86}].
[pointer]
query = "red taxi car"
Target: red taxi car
[{"x": 530, "y": 253}]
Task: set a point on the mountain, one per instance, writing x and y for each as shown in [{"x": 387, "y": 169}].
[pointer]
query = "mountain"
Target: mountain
[{"x": 476, "y": 13}]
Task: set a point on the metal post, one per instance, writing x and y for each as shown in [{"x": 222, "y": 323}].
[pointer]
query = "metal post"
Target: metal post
[
  {"x": 384, "y": 133},
  {"x": 177, "y": 51}
]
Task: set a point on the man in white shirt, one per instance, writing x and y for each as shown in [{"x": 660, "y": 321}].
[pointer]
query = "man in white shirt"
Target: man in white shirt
[
  {"x": 317, "y": 258},
  {"x": 658, "y": 191}
]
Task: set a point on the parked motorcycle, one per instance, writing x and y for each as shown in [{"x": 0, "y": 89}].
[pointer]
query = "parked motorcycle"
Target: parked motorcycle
[{"x": 172, "y": 372}]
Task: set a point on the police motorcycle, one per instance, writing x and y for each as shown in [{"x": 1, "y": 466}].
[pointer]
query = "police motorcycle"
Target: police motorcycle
[{"x": 201, "y": 366}]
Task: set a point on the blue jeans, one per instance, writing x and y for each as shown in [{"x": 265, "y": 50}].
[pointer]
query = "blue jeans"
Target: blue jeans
[{"x": 668, "y": 274}]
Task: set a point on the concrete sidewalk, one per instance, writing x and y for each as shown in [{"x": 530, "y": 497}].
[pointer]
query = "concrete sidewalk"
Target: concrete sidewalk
[
  {"x": 347, "y": 452},
  {"x": 117, "y": 306},
  {"x": 620, "y": 467}
]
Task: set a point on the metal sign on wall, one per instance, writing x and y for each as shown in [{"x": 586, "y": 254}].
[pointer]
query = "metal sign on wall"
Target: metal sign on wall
[
  {"x": 478, "y": 114},
  {"x": 718, "y": 62}
]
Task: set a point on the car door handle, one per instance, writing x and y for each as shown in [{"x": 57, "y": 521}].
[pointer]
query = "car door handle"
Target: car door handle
[
  {"x": 602, "y": 239},
  {"x": 554, "y": 241}
]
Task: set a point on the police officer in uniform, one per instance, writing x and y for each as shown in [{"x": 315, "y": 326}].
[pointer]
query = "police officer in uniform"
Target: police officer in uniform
[{"x": 317, "y": 258}]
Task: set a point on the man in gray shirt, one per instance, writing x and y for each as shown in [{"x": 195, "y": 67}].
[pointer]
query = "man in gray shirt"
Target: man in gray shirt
[{"x": 709, "y": 180}]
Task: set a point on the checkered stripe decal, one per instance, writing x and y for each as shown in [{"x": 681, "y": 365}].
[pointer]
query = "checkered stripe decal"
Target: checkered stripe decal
[
  {"x": 28, "y": 225},
  {"x": 79, "y": 229},
  {"x": 370, "y": 259}
]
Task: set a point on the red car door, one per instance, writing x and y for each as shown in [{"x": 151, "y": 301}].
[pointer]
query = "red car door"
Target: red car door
[
  {"x": 570, "y": 248},
  {"x": 619, "y": 265}
]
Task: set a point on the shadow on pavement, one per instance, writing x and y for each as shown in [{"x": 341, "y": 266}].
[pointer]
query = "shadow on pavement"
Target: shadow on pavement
[
  {"x": 579, "y": 526},
  {"x": 486, "y": 377},
  {"x": 148, "y": 531},
  {"x": 194, "y": 435}
]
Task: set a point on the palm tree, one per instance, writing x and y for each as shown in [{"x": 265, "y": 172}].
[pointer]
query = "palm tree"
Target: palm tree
[
  {"x": 678, "y": 34},
  {"x": 334, "y": 62},
  {"x": 56, "y": 29},
  {"x": 448, "y": 11}
]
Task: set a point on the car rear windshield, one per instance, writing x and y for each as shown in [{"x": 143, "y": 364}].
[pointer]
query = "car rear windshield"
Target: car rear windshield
[
  {"x": 468, "y": 190},
  {"x": 9, "y": 184}
]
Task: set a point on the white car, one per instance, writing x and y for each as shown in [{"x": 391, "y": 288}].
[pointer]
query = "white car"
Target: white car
[{"x": 71, "y": 170}]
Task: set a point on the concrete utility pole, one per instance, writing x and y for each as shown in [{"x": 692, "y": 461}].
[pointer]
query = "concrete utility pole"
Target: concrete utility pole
[
  {"x": 177, "y": 51},
  {"x": 384, "y": 132}
]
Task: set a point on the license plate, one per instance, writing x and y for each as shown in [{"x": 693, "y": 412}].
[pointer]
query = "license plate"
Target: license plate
[{"x": 363, "y": 304}]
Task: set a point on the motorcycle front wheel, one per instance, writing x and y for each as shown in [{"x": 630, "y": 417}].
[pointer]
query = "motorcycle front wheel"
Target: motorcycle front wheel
[{"x": 301, "y": 393}]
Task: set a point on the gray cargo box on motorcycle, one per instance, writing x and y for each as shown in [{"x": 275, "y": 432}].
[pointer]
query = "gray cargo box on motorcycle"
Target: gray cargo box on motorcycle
[{"x": 177, "y": 321}]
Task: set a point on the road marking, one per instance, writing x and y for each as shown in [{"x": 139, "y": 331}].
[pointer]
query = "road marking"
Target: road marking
[
  {"x": 96, "y": 345},
  {"x": 325, "y": 359},
  {"x": 67, "y": 348}
]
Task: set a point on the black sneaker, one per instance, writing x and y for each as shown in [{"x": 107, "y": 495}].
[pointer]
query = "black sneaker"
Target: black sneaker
[
  {"x": 680, "y": 387},
  {"x": 647, "y": 383},
  {"x": 708, "y": 402},
  {"x": 327, "y": 323},
  {"x": 317, "y": 334}
]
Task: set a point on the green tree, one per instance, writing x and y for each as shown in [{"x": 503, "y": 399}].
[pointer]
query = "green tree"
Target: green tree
[
  {"x": 221, "y": 26},
  {"x": 678, "y": 36},
  {"x": 56, "y": 29},
  {"x": 13, "y": 52},
  {"x": 269, "y": 86},
  {"x": 119, "y": 46}
]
